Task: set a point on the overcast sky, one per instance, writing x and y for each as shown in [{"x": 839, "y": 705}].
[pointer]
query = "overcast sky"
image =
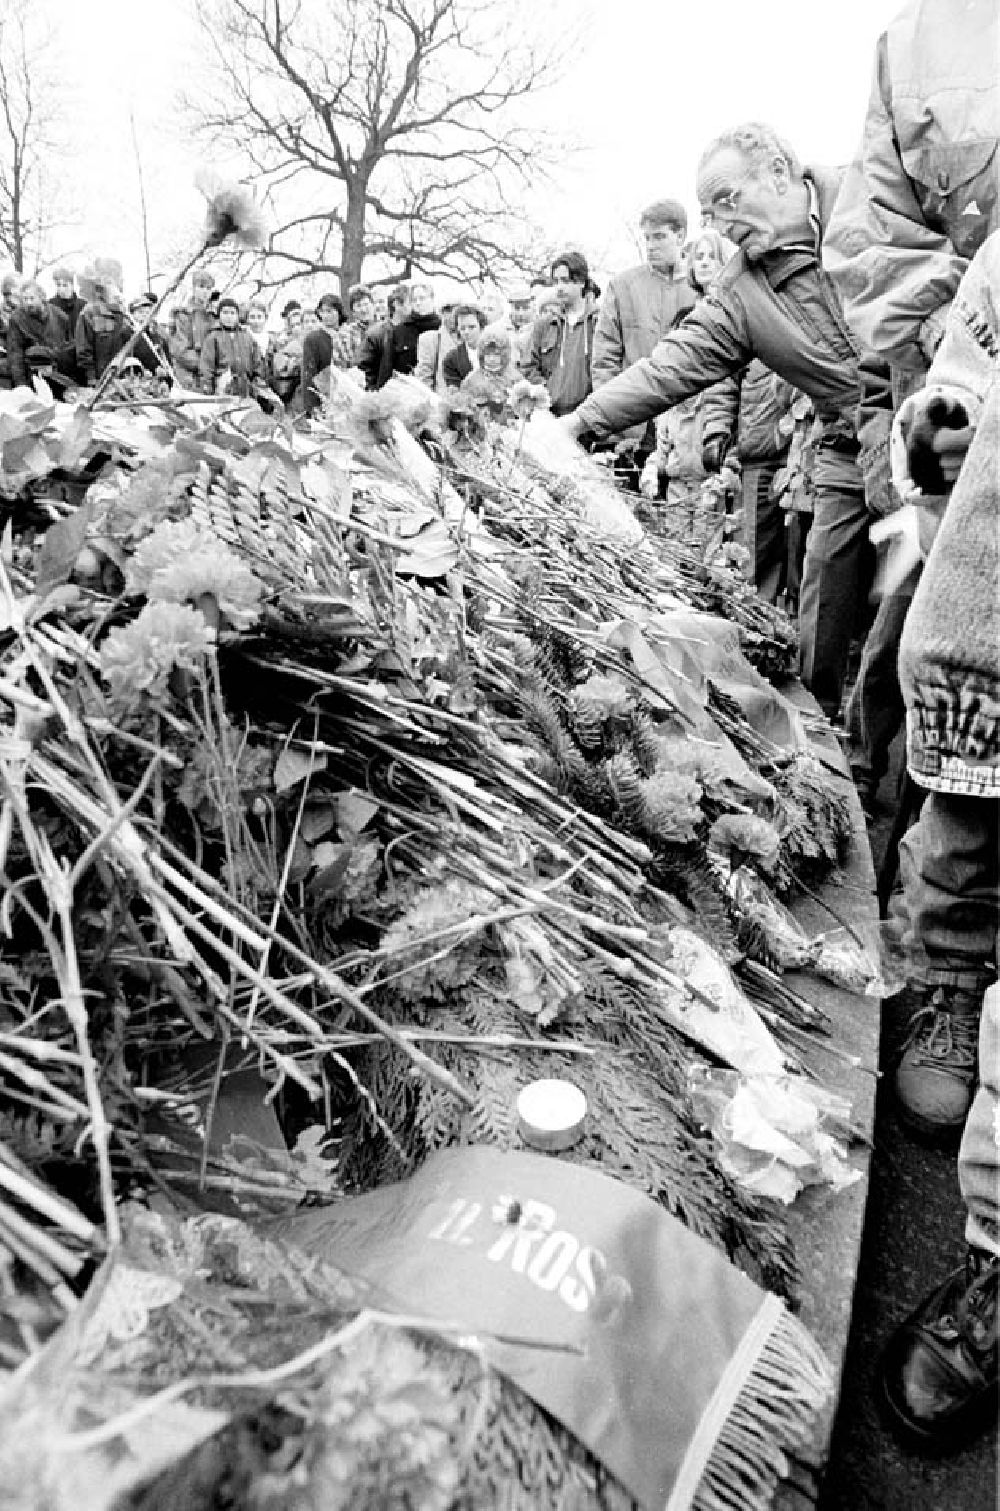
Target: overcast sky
[{"x": 653, "y": 80}]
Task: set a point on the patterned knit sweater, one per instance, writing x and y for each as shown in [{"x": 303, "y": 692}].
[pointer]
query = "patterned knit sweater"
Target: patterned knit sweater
[{"x": 949, "y": 656}]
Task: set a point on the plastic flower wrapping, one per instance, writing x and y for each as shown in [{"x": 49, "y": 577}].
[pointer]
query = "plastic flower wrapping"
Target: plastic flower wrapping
[{"x": 139, "y": 657}]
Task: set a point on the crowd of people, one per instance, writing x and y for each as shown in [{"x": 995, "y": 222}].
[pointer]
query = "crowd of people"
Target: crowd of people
[{"x": 865, "y": 300}]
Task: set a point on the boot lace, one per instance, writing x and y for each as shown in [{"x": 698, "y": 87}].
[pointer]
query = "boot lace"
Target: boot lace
[{"x": 945, "y": 1039}]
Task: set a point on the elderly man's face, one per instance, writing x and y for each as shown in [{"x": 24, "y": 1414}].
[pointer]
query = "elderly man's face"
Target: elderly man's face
[{"x": 748, "y": 208}]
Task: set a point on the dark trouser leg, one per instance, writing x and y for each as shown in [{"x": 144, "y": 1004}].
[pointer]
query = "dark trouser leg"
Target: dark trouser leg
[
  {"x": 764, "y": 529},
  {"x": 953, "y": 893},
  {"x": 875, "y": 710},
  {"x": 834, "y": 579}
]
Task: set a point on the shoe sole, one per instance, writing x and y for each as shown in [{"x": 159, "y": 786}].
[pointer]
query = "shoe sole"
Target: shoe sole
[
  {"x": 932, "y": 1444},
  {"x": 935, "y": 1135}
]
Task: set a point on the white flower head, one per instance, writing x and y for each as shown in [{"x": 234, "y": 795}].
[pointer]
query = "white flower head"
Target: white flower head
[
  {"x": 181, "y": 563},
  {"x": 232, "y": 213},
  {"x": 138, "y": 658}
]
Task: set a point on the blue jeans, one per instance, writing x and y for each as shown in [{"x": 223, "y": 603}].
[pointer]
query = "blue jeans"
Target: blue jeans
[
  {"x": 835, "y": 577},
  {"x": 949, "y": 865}
]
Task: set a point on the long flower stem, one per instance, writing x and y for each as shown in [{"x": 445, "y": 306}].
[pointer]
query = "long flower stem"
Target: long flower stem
[{"x": 121, "y": 357}]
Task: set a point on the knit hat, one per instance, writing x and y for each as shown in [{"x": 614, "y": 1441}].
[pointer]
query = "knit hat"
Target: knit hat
[
  {"x": 495, "y": 338},
  {"x": 228, "y": 302}
]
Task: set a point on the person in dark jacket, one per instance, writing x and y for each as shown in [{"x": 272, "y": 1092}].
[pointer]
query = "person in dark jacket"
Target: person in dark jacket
[
  {"x": 773, "y": 301},
  {"x": 470, "y": 322},
  {"x": 102, "y": 329},
  {"x": 67, "y": 300},
  {"x": 151, "y": 349},
  {"x": 9, "y": 291},
  {"x": 39, "y": 341},
  {"x": 391, "y": 346},
  {"x": 562, "y": 345},
  {"x": 318, "y": 346},
  {"x": 350, "y": 339},
  {"x": 230, "y": 357}
]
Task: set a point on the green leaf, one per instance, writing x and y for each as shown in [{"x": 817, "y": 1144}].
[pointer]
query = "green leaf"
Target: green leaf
[
  {"x": 62, "y": 545},
  {"x": 293, "y": 766},
  {"x": 354, "y": 813}
]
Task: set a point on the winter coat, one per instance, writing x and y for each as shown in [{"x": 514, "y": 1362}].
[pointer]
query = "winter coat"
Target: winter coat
[
  {"x": 680, "y": 435},
  {"x": 751, "y": 407},
  {"x": 101, "y": 331},
  {"x": 230, "y": 351},
  {"x": 348, "y": 342},
  {"x": 948, "y": 662},
  {"x": 284, "y": 365},
  {"x": 485, "y": 390},
  {"x": 456, "y": 365},
  {"x": 922, "y": 195},
  {"x": 186, "y": 347},
  {"x": 48, "y": 331},
  {"x": 184, "y": 360},
  {"x": 432, "y": 348},
  {"x": 392, "y": 348},
  {"x": 562, "y": 356},
  {"x": 71, "y": 307},
  {"x": 782, "y": 309},
  {"x": 638, "y": 308}
]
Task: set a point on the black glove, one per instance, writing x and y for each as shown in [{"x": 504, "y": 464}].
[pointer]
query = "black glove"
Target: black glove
[
  {"x": 922, "y": 456},
  {"x": 713, "y": 453}
]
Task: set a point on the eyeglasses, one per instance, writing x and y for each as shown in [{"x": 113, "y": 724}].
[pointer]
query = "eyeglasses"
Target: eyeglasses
[{"x": 724, "y": 204}]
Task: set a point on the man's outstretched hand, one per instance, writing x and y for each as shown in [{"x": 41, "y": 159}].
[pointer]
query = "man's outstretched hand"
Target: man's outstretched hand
[{"x": 572, "y": 426}]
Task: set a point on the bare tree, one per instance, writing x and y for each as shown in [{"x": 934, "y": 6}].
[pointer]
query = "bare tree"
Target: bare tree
[
  {"x": 31, "y": 141},
  {"x": 384, "y": 131}
]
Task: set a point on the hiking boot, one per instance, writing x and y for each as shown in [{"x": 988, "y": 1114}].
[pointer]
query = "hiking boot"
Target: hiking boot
[
  {"x": 937, "y": 1378},
  {"x": 936, "y": 1075}
]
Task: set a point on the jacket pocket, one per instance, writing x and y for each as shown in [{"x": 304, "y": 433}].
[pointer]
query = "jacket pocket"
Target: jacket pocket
[{"x": 956, "y": 185}]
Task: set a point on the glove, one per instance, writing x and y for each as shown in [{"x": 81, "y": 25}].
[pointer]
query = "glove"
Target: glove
[
  {"x": 937, "y": 434},
  {"x": 713, "y": 453}
]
